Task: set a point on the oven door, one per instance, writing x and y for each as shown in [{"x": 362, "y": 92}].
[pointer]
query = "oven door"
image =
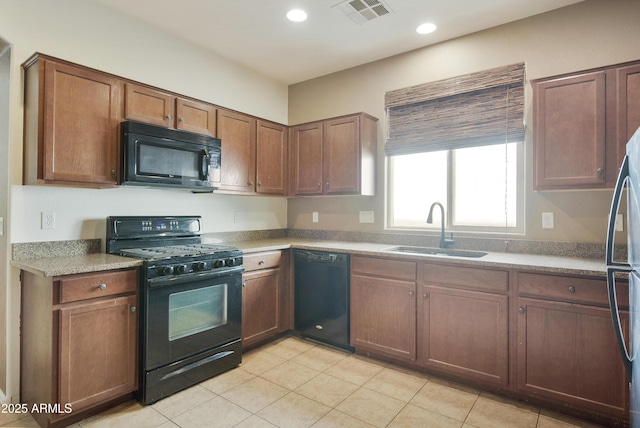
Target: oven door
[{"x": 190, "y": 314}]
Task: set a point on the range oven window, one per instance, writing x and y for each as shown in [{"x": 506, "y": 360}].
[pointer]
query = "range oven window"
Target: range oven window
[{"x": 194, "y": 311}]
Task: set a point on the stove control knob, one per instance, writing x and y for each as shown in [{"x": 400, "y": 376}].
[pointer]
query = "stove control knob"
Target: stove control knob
[
  {"x": 231, "y": 262},
  {"x": 218, "y": 263},
  {"x": 181, "y": 268},
  {"x": 168, "y": 270},
  {"x": 201, "y": 266}
]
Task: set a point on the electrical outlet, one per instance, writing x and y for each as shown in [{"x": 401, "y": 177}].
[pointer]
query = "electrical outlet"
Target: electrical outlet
[
  {"x": 314, "y": 216},
  {"x": 1, "y": 226},
  {"x": 48, "y": 220},
  {"x": 366, "y": 216},
  {"x": 547, "y": 221}
]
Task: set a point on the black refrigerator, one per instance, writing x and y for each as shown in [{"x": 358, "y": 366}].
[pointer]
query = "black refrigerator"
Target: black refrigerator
[{"x": 629, "y": 180}]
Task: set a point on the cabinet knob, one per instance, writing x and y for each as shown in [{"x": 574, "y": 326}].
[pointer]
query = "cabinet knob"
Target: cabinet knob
[
  {"x": 521, "y": 310},
  {"x": 327, "y": 184},
  {"x": 244, "y": 284},
  {"x": 600, "y": 171},
  {"x": 319, "y": 184},
  {"x": 133, "y": 309},
  {"x": 411, "y": 293},
  {"x": 168, "y": 116},
  {"x": 425, "y": 296},
  {"x": 102, "y": 286},
  {"x": 250, "y": 183},
  {"x": 261, "y": 262},
  {"x": 572, "y": 289},
  {"x": 181, "y": 119},
  {"x": 259, "y": 183},
  {"x": 113, "y": 172}
]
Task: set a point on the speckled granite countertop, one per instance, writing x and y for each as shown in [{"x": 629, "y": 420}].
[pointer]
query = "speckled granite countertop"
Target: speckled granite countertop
[
  {"x": 81, "y": 263},
  {"x": 68, "y": 265},
  {"x": 534, "y": 262}
]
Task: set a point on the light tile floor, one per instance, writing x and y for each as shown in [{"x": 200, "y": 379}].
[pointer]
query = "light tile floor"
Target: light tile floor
[{"x": 296, "y": 383}]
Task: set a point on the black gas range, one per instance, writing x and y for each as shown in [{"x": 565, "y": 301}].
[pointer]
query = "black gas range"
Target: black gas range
[{"x": 190, "y": 300}]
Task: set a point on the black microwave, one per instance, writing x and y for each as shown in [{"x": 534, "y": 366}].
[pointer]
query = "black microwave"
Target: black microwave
[{"x": 162, "y": 157}]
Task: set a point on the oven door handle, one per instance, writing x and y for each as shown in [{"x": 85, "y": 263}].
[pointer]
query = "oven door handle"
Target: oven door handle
[{"x": 164, "y": 281}]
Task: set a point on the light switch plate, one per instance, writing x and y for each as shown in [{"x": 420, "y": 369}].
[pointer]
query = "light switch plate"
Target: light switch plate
[
  {"x": 619, "y": 223},
  {"x": 547, "y": 221}
]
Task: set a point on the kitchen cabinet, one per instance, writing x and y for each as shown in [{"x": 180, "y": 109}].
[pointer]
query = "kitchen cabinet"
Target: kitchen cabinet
[
  {"x": 238, "y": 167},
  {"x": 567, "y": 352},
  {"x": 71, "y": 120},
  {"x": 271, "y": 158},
  {"x": 383, "y": 306},
  {"x": 464, "y": 322},
  {"x": 335, "y": 156},
  {"x": 79, "y": 341},
  {"x": 266, "y": 297},
  {"x": 581, "y": 124},
  {"x": 253, "y": 154},
  {"x": 150, "y": 105}
]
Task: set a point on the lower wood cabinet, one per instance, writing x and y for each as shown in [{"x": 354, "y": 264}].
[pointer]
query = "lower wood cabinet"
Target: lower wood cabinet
[
  {"x": 79, "y": 342},
  {"x": 383, "y": 306},
  {"x": 464, "y": 322},
  {"x": 266, "y": 296},
  {"x": 567, "y": 350}
]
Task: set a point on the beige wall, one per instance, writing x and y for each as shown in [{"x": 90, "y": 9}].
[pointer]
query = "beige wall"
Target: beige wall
[{"x": 590, "y": 34}]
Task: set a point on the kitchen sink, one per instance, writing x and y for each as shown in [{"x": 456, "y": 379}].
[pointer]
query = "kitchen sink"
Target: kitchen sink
[{"x": 431, "y": 251}]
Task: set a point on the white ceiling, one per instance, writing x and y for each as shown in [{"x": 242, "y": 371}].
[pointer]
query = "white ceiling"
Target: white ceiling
[{"x": 257, "y": 34}]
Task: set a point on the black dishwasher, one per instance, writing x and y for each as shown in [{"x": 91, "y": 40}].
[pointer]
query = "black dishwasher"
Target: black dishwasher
[{"x": 322, "y": 296}]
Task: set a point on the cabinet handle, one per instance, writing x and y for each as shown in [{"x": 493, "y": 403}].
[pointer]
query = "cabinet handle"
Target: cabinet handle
[
  {"x": 411, "y": 293},
  {"x": 425, "y": 296},
  {"x": 133, "y": 308},
  {"x": 261, "y": 262},
  {"x": 572, "y": 289},
  {"x": 102, "y": 286},
  {"x": 600, "y": 171},
  {"x": 521, "y": 310},
  {"x": 168, "y": 116}
]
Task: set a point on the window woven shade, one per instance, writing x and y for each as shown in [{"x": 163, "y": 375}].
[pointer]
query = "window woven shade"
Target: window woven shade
[{"x": 465, "y": 111}]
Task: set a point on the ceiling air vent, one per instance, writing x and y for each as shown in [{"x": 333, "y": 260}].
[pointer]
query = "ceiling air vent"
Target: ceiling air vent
[{"x": 361, "y": 11}]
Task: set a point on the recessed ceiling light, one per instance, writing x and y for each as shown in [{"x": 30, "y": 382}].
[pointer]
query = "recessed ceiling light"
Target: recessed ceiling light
[
  {"x": 426, "y": 28},
  {"x": 296, "y": 15}
]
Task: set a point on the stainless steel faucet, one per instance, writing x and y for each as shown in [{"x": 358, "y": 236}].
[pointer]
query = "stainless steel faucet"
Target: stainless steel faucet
[{"x": 444, "y": 242}]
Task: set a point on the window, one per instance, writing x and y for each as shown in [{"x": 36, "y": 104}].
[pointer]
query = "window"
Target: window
[
  {"x": 458, "y": 141},
  {"x": 481, "y": 189}
]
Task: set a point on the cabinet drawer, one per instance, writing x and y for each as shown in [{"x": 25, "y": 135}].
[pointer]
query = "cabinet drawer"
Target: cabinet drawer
[
  {"x": 383, "y": 268},
  {"x": 467, "y": 277},
  {"x": 574, "y": 289},
  {"x": 262, "y": 260},
  {"x": 99, "y": 284}
]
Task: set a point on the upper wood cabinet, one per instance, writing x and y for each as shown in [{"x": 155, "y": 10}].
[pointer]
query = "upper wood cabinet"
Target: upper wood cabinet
[
  {"x": 149, "y": 105},
  {"x": 335, "y": 156},
  {"x": 254, "y": 154},
  {"x": 71, "y": 124},
  {"x": 237, "y": 132},
  {"x": 581, "y": 125}
]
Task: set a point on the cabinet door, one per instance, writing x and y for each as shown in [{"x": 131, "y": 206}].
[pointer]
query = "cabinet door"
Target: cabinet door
[
  {"x": 98, "y": 351},
  {"x": 628, "y": 96},
  {"x": 82, "y": 110},
  {"x": 195, "y": 117},
  {"x": 383, "y": 316},
  {"x": 341, "y": 163},
  {"x": 569, "y": 132},
  {"x": 238, "y": 156},
  {"x": 465, "y": 333},
  {"x": 568, "y": 353},
  {"x": 306, "y": 159},
  {"x": 260, "y": 305},
  {"x": 148, "y": 105},
  {"x": 271, "y": 158}
]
